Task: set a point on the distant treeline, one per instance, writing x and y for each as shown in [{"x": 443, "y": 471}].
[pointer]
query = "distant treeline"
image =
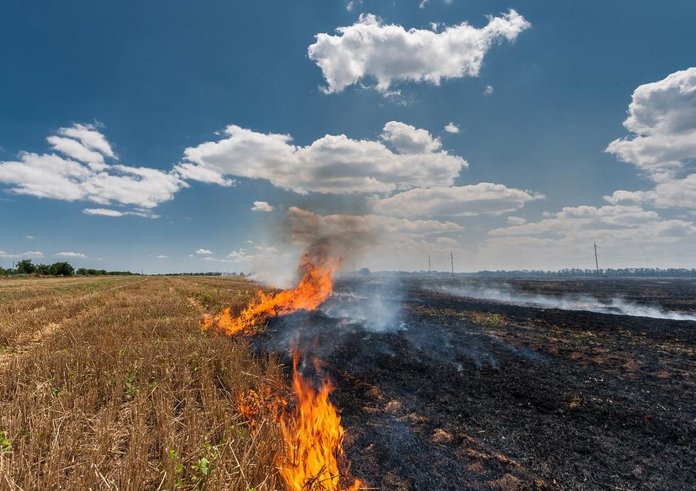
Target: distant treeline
[{"x": 61, "y": 268}]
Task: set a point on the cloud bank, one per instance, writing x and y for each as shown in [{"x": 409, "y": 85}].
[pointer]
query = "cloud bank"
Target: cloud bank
[{"x": 402, "y": 157}]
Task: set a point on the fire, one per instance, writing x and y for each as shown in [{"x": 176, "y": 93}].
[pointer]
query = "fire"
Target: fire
[
  {"x": 313, "y": 439},
  {"x": 315, "y": 286},
  {"x": 253, "y": 404},
  {"x": 312, "y": 433}
]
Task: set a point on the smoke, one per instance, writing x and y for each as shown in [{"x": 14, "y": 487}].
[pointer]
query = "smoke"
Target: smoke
[
  {"x": 374, "y": 304},
  {"x": 616, "y": 305},
  {"x": 325, "y": 237}
]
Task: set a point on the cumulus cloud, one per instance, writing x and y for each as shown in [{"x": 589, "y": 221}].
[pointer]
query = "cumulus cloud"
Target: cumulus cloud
[
  {"x": 78, "y": 170},
  {"x": 488, "y": 90},
  {"x": 662, "y": 144},
  {"x": 262, "y": 206},
  {"x": 451, "y": 128},
  {"x": 675, "y": 193},
  {"x": 662, "y": 122},
  {"x": 77, "y": 255},
  {"x": 478, "y": 199},
  {"x": 389, "y": 53},
  {"x": 203, "y": 252},
  {"x": 403, "y": 157}
]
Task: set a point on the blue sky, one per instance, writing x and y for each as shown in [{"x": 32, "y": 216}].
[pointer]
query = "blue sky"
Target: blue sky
[{"x": 534, "y": 121}]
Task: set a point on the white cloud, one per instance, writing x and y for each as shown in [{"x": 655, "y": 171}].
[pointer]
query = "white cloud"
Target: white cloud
[
  {"x": 89, "y": 136},
  {"x": 108, "y": 212},
  {"x": 76, "y": 150},
  {"x": 626, "y": 235},
  {"x": 237, "y": 254},
  {"x": 478, "y": 199},
  {"x": 203, "y": 252},
  {"x": 662, "y": 122},
  {"x": 584, "y": 218},
  {"x": 202, "y": 174},
  {"x": 78, "y": 171},
  {"x": 403, "y": 158},
  {"x": 516, "y": 220},
  {"x": 389, "y": 53},
  {"x": 488, "y": 90},
  {"x": 26, "y": 254},
  {"x": 261, "y": 206},
  {"x": 352, "y": 4},
  {"x": 675, "y": 193},
  {"x": 451, "y": 128},
  {"x": 161, "y": 256},
  {"x": 72, "y": 254}
]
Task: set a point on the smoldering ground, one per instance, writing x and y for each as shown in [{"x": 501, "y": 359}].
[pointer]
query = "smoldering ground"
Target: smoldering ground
[
  {"x": 508, "y": 294},
  {"x": 449, "y": 396}
]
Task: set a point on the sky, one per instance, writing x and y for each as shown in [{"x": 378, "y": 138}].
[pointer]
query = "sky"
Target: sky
[{"x": 177, "y": 136}]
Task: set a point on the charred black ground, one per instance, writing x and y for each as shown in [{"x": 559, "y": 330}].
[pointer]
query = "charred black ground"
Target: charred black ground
[{"x": 458, "y": 393}]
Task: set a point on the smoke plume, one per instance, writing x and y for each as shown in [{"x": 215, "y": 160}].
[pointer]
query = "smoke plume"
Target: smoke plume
[{"x": 616, "y": 305}]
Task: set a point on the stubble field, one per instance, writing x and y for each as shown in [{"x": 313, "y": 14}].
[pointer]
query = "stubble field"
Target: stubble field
[{"x": 108, "y": 383}]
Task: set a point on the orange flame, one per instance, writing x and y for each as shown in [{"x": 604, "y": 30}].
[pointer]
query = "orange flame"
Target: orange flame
[
  {"x": 313, "y": 439},
  {"x": 313, "y": 433},
  {"x": 315, "y": 286},
  {"x": 253, "y": 404}
]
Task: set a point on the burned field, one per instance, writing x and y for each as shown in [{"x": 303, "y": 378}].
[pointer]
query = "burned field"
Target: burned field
[{"x": 450, "y": 392}]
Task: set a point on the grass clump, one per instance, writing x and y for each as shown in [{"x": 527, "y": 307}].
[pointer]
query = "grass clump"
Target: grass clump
[{"x": 488, "y": 319}]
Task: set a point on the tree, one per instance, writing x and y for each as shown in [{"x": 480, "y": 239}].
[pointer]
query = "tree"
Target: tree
[
  {"x": 25, "y": 266},
  {"x": 61, "y": 268}
]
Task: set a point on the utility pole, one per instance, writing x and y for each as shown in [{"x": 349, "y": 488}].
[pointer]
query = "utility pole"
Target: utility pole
[
  {"x": 452, "y": 262},
  {"x": 596, "y": 261},
  {"x": 429, "y": 268}
]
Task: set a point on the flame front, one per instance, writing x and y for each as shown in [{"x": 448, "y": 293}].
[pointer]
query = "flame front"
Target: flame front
[
  {"x": 313, "y": 440},
  {"x": 315, "y": 286},
  {"x": 312, "y": 433}
]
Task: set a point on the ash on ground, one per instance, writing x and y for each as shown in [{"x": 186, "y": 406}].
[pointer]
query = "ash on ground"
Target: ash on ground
[{"x": 438, "y": 390}]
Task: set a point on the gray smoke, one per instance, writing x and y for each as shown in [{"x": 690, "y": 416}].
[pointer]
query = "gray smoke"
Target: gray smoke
[
  {"x": 374, "y": 304},
  {"x": 586, "y": 303},
  {"x": 330, "y": 236}
]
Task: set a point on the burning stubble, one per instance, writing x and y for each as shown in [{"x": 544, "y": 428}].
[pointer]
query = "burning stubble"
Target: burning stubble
[
  {"x": 313, "y": 433},
  {"x": 315, "y": 286},
  {"x": 313, "y": 437}
]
